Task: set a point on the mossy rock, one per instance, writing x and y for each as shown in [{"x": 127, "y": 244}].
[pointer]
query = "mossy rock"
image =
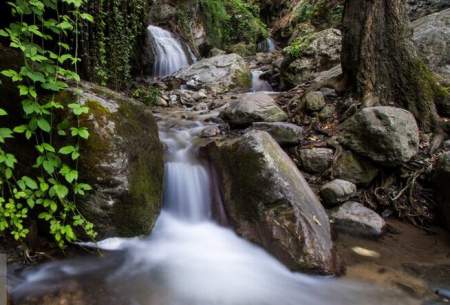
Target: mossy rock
[
  {"x": 268, "y": 201},
  {"x": 122, "y": 160}
]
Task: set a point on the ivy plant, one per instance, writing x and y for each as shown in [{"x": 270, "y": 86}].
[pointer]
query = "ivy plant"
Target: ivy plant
[{"x": 48, "y": 192}]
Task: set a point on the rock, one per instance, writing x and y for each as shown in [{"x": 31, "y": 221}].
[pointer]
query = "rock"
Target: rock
[
  {"x": 355, "y": 219},
  {"x": 268, "y": 201},
  {"x": 387, "y": 135},
  {"x": 122, "y": 160},
  {"x": 201, "y": 107},
  {"x": 211, "y": 131},
  {"x": 432, "y": 40},
  {"x": 321, "y": 54},
  {"x": 421, "y": 8},
  {"x": 216, "y": 52},
  {"x": 354, "y": 168},
  {"x": 327, "y": 112},
  {"x": 249, "y": 108},
  {"x": 315, "y": 160},
  {"x": 446, "y": 145},
  {"x": 220, "y": 74},
  {"x": 200, "y": 95},
  {"x": 441, "y": 178},
  {"x": 284, "y": 133},
  {"x": 337, "y": 191},
  {"x": 314, "y": 101}
]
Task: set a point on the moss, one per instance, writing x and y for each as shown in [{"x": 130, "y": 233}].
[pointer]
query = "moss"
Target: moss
[
  {"x": 243, "y": 79},
  {"x": 138, "y": 213}
]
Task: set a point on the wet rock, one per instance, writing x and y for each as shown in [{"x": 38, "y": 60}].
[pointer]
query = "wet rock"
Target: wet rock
[
  {"x": 337, "y": 191},
  {"x": 387, "y": 135},
  {"x": 268, "y": 201},
  {"x": 441, "y": 186},
  {"x": 315, "y": 160},
  {"x": 354, "y": 168},
  {"x": 249, "y": 108},
  {"x": 432, "y": 40},
  {"x": 209, "y": 132},
  {"x": 122, "y": 160},
  {"x": 355, "y": 219},
  {"x": 284, "y": 133},
  {"x": 314, "y": 101},
  {"x": 320, "y": 54},
  {"x": 219, "y": 74}
]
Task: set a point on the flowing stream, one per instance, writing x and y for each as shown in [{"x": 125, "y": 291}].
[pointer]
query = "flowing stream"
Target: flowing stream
[
  {"x": 259, "y": 84},
  {"x": 189, "y": 259},
  {"x": 170, "y": 54}
]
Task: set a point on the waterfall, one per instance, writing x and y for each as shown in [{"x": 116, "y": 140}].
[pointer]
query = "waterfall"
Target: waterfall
[
  {"x": 259, "y": 84},
  {"x": 170, "y": 54},
  {"x": 267, "y": 45},
  {"x": 189, "y": 259}
]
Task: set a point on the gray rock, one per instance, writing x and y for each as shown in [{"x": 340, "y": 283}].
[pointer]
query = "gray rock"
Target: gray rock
[
  {"x": 432, "y": 40},
  {"x": 421, "y": 8},
  {"x": 355, "y": 219},
  {"x": 446, "y": 145},
  {"x": 269, "y": 202},
  {"x": 284, "y": 133},
  {"x": 314, "y": 101},
  {"x": 441, "y": 178},
  {"x": 315, "y": 160},
  {"x": 123, "y": 161},
  {"x": 387, "y": 135},
  {"x": 218, "y": 74},
  {"x": 354, "y": 168},
  {"x": 322, "y": 53},
  {"x": 337, "y": 191},
  {"x": 249, "y": 108}
]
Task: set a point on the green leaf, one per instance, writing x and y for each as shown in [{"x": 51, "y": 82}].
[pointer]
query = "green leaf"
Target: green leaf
[
  {"x": 3, "y": 112},
  {"x": 60, "y": 191},
  {"x": 44, "y": 125},
  {"x": 66, "y": 150},
  {"x": 20, "y": 129},
  {"x": 30, "y": 183},
  {"x": 87, "y": 17},
  {"x": 5, "y": 133}
]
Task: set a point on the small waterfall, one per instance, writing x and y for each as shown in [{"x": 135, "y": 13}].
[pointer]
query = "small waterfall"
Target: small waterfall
[
  {"x": 170, "y": 53},
  {"x": 268, "y": 45},
  {"x": 259, "y": 84},
  {"x": 188, "y": 259}
]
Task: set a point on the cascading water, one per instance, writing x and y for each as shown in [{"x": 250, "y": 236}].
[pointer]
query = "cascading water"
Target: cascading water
[
  {"x": 189, "y": 259},
  {"x": 267, "y": 45},
  {"x": 259, "y": 84},
  {"x": 169, "y": 52}
]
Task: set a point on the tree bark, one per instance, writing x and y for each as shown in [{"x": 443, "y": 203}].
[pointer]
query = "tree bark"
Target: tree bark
[{"x": 380, "y": 63}]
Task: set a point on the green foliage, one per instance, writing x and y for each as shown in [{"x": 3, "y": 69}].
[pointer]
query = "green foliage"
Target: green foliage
[
  {"x": 321, "y": 13},
  {"x": 232, "y": 21},
  {"x": 50, "y": 189},
  {"x": 297, "y": 48},
  {"x": 111, "y": 44},
  {"x": 148, "y": 95}
]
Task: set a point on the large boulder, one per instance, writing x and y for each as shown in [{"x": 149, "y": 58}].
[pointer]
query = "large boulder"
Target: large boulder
[
  {"x": 441, "y": 186},
  {"x": 354, "y": 168},
  {"x": 255, "y": 107},
  {"x": 220, "y": 74},
  {"x": 320, "y": 52},
  {"x": 122, "y": 160},
  {"x": 387, "y": 135},
  {"x": 315, "y": 160},
  {"x": 268, "y": 201},
  {"x": 432, "y": 40}
]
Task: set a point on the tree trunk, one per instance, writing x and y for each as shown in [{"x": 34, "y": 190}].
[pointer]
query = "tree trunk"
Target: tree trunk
[{"x": 380, "y": 63}]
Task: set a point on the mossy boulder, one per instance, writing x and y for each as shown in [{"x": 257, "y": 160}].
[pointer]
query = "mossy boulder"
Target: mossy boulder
[
  {"x": 268, "y": 201},
  {"x": 122, "y": 160}
]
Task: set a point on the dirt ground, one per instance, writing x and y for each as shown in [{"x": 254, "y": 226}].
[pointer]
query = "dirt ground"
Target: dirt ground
[{"x": 415, "y": 261}]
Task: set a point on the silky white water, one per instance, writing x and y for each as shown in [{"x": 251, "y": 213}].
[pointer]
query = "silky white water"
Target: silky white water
[
  {"x": 267, "y": 45},
  {"x": 170, "y": 55},
  {"x": 259, "y": 84},
  {"x": 189, "y": 259}
]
